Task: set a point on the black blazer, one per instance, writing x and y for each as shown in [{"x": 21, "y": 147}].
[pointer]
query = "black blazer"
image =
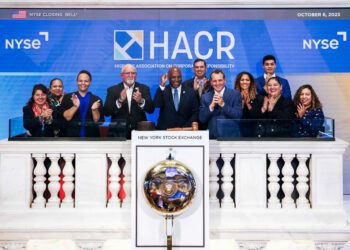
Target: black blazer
[
  {"x": 72, "y": 128},
  {"x": 136, "y": 114},
  {"x": 35, "y": 127},
  {"x": 168, "y": 116},
  {"x": 278, "y": 122}
]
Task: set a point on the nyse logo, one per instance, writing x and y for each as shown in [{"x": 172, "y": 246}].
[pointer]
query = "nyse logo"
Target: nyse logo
[
  {"x": 26, "y": 43},
  {"x": 128, "y": 44},
  {"x": 325, "y": 44}
]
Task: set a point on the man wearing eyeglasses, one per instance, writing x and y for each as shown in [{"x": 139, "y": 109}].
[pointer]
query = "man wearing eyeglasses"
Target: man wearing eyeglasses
[{"x": 128, "y": 100}]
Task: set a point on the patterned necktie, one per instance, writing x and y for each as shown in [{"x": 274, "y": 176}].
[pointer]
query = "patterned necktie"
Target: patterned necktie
[
  {"x": 200, "y": 87},
  {"x": 176, "y": 99}
]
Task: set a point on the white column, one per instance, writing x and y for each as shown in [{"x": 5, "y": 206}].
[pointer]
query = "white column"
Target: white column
[
  {"x": 113, "y": 186},
  {"x": 273, "y": 178},
  {"x": 302, "y": 186},
  {"x": 213, "y": 180},
  {"x": 127, "y": 178},
  {"x": 39, "y": 179},
  {"x": 227, "y": 187},
  {"x": 68, "y": 178},
  {"x": 287, "y": 185},
  {"x": 54, "y": 178}
]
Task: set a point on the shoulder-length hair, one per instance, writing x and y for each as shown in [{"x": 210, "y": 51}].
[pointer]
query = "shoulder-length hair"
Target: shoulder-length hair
[
  {"x": 315, "y": 101},
  {"x": 252, "y": 86},
  {"x": 37, "y": 87}
]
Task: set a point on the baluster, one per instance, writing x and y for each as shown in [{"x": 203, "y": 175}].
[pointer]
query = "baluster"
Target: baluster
[
  {"x": 227, "y": 187},
  {"x": 273, "y": 178},
  {"x": 213, "y": 179},
  {"x": 287, "y": 185},
  {"x": 302, "y": 186},
  {"x": 39, "y": 185},
  {"x": 54, "y": 178},
  {"x": 113, "y": 186},
  {"x": 68, "y": 179},
  {"x": 127, "y": 178}
]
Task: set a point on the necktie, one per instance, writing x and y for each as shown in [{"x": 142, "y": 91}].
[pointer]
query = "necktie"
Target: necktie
[
  {"x": 200, "y": 87},
  {"x": 176, "y": 99}
]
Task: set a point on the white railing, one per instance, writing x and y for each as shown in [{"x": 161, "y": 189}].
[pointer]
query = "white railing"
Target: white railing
[{"x": 265, "y": 185}]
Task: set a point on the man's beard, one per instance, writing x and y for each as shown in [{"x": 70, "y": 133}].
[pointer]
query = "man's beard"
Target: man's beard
[{"x": 130, "y": 82}]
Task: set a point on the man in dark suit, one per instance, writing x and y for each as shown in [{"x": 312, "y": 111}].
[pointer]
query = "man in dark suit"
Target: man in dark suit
[
  {"x": 220, "y": 104},
  {"x": 178, "y": 104},
  {"x": 269, "y": 66},
  {"x": 129, "y": 101},
  {"x": 199, "y": 82}
]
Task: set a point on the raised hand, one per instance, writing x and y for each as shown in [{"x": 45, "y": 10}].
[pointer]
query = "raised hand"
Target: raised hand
[
  {"x": 301, "y": 110},
  {"x": 163, "y": 79},
  {"x": 96, "y": 105},
  {"x": 122, "y": 96},
  {"x": 137, "y": 96},
  {"x": 75, "y": 100}
]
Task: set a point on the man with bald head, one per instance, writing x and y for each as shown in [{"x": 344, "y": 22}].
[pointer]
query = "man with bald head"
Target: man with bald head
[
  {"x": 178, "y": 104},
  {"x": 128, "y": 100}
]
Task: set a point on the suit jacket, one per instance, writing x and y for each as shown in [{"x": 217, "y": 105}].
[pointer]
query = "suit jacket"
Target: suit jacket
[
  {"x": 35, "y": 127},
  {"x": 260, "y": 83},
  {"x": 136, "y": 114},
  {"x": 231, "y": 110},
  {"x": 72, "y": 128},
  {"x": 168, "y": 116}
]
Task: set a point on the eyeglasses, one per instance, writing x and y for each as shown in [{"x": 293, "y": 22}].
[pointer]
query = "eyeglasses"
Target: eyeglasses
[{"x": 129, "y": 73}]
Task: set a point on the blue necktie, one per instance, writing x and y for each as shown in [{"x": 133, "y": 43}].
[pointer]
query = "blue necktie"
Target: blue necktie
[{"x": 176, "y": 99}]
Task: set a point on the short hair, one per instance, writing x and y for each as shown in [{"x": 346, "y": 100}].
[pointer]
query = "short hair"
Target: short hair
[
  {"x": 274, "y": 78},
  {"x": 217, "y": 71},
  {"x": 56, "y": 79},
  {"x": 252, "y": 86},
  {"x": 37, "y": 87},
  {"x": 122, "y": 70},
  {"x": 84, "y": 72},
  {"x": 315, "y": 101},
  {"x": 268, "y": 57},
  {"x": 200, "y": 60}
]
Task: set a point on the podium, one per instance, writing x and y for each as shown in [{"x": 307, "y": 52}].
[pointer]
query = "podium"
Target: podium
[{"x": 190, "y": 228}]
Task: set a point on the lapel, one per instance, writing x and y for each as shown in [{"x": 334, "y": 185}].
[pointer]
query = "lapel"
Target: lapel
[{"x": 182, "y": 97}]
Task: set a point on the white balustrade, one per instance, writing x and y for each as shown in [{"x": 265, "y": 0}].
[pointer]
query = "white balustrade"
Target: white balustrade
[
  {"x": 302, "y": 186},
  {"x": 39, "y": 179},
  {"x": 113, "y": 186},
  {"x": 273, "y": 178},
  {"x": 287, "y": 185},
  {"x": 54, "y": 181},
  {"x": 227, "y": 187},
  {"x": 213, "y": 180},
  {"x": 127, "y": 179},
  {"x": 68, "y": 180},
  {"x": 88, "y": 217}
]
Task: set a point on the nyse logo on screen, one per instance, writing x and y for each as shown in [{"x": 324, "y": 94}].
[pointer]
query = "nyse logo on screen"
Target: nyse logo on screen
[
  {"x": 128, "y": 44},
  {"x": 326, "y": 43},
  {"x": 27, "y": 43}
]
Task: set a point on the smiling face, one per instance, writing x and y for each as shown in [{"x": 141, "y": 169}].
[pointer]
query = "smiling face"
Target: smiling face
[
  {"x": 217, "y": 81},
  {"x": 306, "y": 97},
  {"x": 244, "y": 82},
  {"x": 39, "y": 97},
  {"x": 274, "y": 89},
  {"x": 175, "y": 77},
  {"x": 199, "y": 69},
  {"x": 128, "y": 74},
  {"x": 83, "y": 82},
  {"x": 56, "y": 88}
]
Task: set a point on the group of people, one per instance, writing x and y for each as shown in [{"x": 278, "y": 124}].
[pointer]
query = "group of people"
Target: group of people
[{"x": 261, "y": 107}]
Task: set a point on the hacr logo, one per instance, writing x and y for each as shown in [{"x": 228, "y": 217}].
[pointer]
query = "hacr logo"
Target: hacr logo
[{"x": 128, "y": 44}]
